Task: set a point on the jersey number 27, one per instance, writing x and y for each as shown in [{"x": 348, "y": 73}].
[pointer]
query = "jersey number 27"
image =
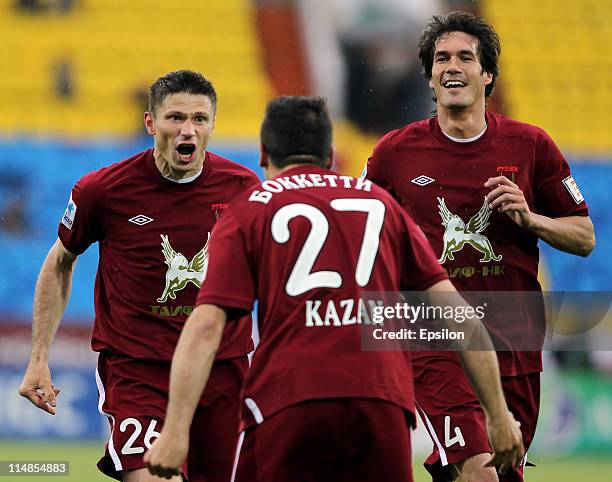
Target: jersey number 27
[{"x": 302, "y": 278}]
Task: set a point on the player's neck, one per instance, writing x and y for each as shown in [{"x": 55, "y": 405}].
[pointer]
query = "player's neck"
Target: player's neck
[
  {"x": 272, "y": 171},
  {"x": 462, "y": 124},
  {"x": 166, "y": 170}
]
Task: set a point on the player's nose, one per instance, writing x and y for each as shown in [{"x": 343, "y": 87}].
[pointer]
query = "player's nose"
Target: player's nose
[
  {"x": 187, "y": 129},
  {"x": 453, "y": 65}
]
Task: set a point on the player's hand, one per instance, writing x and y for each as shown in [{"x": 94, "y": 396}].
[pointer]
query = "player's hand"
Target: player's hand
[
  {"x": 507, "y": 443},
  {"x": 508, "y": 198},
  {"x": 36, "y": 386},
  {"x": 167, "y": 455}
]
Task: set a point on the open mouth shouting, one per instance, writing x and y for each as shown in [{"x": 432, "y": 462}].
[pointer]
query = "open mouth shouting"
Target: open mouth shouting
[{"x": 186, "y": 151}]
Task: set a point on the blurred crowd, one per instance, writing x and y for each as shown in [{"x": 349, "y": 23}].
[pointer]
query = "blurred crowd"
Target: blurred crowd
[{"x": 363, "y": 58}]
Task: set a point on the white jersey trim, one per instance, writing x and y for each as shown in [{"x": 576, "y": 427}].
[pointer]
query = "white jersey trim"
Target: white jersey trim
[
  {"x": 252, "y": 406},
  {"x": 470, "y": 139},
  {"x": 434, "y": 437},
  {"x": 364, "y": 173},
  {"x": 237, "y": 456},
  {"x": 185, "y": 180},
  {"x": 254, "y": 336},
  {"x": 111, "y": 445}
]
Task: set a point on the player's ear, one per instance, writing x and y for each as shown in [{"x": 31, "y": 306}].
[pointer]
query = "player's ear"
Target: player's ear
[
  {"x": 488, "y": 77},
  {"x": 331, "y": 157},
  {"x": 431, "y": 83},
  {"x": 264, "y": 160},
  {"x": 149, "y": 123}
]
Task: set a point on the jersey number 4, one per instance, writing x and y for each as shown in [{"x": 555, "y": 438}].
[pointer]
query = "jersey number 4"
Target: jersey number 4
[
  {"x": 302, "y": 278},
  {"x": 448, "y": 440}
]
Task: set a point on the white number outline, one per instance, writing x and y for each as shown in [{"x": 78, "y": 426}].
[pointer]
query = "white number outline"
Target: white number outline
[
  {"x": 302, "y": 279},
  {"x": 371, "y": 233},
  {"x": 128, "y": 447},
  {"x": 448, "y": 441},
  {"x": 151, "y": 434}
]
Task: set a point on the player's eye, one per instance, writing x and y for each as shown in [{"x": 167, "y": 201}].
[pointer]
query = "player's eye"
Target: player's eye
[{"x": 199, "y": 118}]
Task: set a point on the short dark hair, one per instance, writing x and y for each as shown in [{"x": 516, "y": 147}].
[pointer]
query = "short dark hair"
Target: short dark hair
[
  {"x": 489, "y": 46},
  {"x": 297, "y": 129},
  {"x": 180, "y": 81}
]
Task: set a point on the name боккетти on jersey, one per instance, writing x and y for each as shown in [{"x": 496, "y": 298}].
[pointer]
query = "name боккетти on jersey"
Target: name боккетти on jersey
[{"x": 301, "y": 181}]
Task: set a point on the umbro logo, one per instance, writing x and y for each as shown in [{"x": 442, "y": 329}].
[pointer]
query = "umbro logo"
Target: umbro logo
[
  {"x": 422, "y": 180},
  {"x": 140, "y": 220}
]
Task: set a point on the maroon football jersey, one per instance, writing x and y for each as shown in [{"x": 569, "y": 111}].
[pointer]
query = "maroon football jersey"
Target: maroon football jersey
[
  {"x": 153, "y": 243},
  {"x": 440, "y": 182},
  {"x": 307, "y": 245}
]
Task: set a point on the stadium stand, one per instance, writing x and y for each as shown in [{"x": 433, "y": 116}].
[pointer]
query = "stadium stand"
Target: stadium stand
[
  {"x": 114, "y": 50},
  {"x": 556, "y": 69}
]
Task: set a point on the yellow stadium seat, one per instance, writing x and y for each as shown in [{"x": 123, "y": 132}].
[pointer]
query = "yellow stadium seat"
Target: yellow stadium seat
[
  {"x": 116, "y": 49},
  {"x": 556, "y": 67}
]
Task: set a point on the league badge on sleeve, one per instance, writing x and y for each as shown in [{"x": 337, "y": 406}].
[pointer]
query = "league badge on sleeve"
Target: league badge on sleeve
[
  {"x": 573, "y": 189},
  {"x": 68, "y": 217}
]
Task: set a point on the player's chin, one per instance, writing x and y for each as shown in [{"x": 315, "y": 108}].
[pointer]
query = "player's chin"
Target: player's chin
[
  {"x": 180, "y": 163},
  {"x": 455, "y": 103}
]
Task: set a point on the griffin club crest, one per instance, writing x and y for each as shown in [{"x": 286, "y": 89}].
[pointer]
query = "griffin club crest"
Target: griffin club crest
[
  {"x": 181, "y": 271},
  {"x": 457, "y": 234}
]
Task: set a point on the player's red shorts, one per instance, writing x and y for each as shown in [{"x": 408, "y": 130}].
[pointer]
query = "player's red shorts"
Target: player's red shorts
[
  {"x": 133, "y": 395},
  {"x": 454, "y": 419},
  {"x": 344, "y": 440}
]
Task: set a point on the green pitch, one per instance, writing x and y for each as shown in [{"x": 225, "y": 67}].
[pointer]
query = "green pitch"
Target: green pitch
[
  {"x": 571, "y": 469},
  {"x": 83, "y": 457}
]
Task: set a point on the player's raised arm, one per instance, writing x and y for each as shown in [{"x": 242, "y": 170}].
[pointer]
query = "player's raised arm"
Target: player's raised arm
[
  {"x": 191, "y": 365},
  {"x": 482, "y": 369},
  {"x": 50, "y": 299}
]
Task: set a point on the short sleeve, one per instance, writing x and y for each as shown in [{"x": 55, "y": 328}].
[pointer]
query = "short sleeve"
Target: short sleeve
[
  {"x": 556, "y": 193},
  {"x": 82, "y": 222},
  {"x": 420, "y": 269},
  {"x": 378, "y": 167},
  {"x": 251, "y": 180},
  {"x": 229, "y": 281}
]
